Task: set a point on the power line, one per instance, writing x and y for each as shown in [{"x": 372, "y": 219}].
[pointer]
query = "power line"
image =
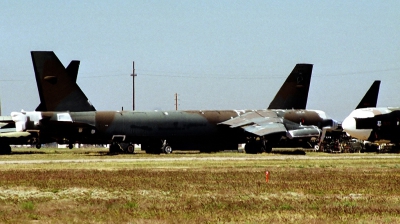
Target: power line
[{"x": 218, "y": 76}]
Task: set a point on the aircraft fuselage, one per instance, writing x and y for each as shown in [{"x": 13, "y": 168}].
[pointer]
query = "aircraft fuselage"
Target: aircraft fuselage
[
  {"x": 374, "y": 124},
  {"x": 136, "y": 127}
]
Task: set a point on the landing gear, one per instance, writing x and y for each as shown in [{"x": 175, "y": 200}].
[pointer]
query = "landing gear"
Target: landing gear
[
  {"x": 122, "y": 147},
  {"x": 70, "y": 145},
  {"x": 268, "y": 147},
  {"x": 157, "y": 147},
  {"x": 38, "y": 146},
  {"x": 258, "y": 146},
  {"x": 130, "y": 149},
  {"x": 167, "y": 149},
  {"x": 114, "y": 148}
]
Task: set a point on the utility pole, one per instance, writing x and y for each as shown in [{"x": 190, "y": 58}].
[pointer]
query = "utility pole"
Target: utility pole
[
  {"x": 176, "y": 101},
  {"x": 133, "y": 85}
]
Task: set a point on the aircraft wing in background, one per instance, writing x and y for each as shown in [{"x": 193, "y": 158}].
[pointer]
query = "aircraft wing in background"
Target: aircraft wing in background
[{"x": 267, "y": 122}]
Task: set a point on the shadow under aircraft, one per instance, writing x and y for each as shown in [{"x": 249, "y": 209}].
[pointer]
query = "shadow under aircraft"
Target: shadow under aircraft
[{"x": 164, "y": 131}]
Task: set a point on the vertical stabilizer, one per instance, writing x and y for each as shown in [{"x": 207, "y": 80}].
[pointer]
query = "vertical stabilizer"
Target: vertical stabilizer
[
  {"x": 294, "y": 92},
  {"x": 370, "y": 98},
  {"x": 57, "y": 86},
  {"x": 72, "y": 69}
]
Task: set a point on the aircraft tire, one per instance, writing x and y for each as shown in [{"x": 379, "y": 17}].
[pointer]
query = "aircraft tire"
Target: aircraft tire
[
  {"x": 267, "y": 147},
  {"x": 70, "y": 145},
  {"x": 38, "y": 146},
  {"x": 167, "y": 149},
  {"x": 130, "y": 149}
]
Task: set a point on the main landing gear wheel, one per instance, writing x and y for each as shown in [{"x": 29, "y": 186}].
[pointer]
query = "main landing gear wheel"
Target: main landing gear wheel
[
  {"x": 268, "y": 147},
  {"x": 167, "y": 149},
  {"x": 38, "y": 146},
  {"x": 254, "y": 147},
  {"x": 130, "y": 148},
  {"x": 70, "y": 146}
]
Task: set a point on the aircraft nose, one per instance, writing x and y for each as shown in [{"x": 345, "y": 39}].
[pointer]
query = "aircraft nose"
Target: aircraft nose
[{"x": 349, "y": 126}]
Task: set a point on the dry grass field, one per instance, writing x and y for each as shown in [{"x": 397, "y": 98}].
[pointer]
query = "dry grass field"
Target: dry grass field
[{"x": 89, "y": 186}]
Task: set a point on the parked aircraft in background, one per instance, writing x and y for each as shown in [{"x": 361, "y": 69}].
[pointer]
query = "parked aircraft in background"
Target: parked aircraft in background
[
  {"x": 160, "y": 131},
  {"x": 58, "y": 91},
  {"x": 370, "y": 99},
  {"x": 374, "y": 124}
]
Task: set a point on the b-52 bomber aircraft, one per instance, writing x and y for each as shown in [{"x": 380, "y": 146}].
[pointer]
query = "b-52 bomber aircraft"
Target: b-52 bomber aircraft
[
  {"x": 161, "y": 131},
  {"x": 369, "y": 100},
  {"x": 58, "y": 91},
  {"x": 374, "y": 124}
]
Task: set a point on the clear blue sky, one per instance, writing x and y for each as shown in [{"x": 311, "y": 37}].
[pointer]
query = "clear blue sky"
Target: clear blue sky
[{"x": 214, "y": 54}]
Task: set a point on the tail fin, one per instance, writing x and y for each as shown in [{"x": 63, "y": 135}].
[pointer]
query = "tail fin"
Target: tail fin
[
  {"x": 371, "y": 96},
  {"x": 294, "y": 92},
  {"x": 72, "y": 70},
  {"x": 57, "y": 86}
]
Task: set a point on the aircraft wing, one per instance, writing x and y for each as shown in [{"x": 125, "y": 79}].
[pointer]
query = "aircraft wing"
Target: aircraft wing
[
  {"x": 258, "y": 122},
  {"x": 14, "y": 134},
  {"x": 8, "y": 130},
  {"x": 6, "y": 122},
  {"x": 268, "y": 122}
]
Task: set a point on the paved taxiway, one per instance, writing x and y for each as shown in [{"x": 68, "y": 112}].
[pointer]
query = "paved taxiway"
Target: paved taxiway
[{"x": 125, "y": 160}]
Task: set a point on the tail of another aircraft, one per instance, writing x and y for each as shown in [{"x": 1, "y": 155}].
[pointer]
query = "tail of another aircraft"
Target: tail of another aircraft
[
  {"x": 371, "y": 96},
  {"x": 57, "y": 86},
  {"x": 294, "y": 92}
]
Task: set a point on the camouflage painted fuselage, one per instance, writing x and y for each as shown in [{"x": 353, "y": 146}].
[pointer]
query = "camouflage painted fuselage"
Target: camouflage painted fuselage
[
  {"x": 177, "y": 127},
  {"x": 374, "y": 124},
  {"x": 103, "y": 127}
]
